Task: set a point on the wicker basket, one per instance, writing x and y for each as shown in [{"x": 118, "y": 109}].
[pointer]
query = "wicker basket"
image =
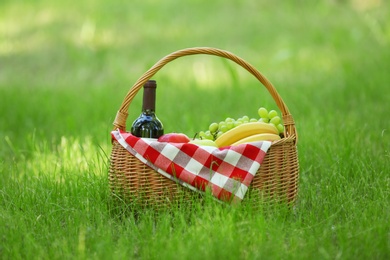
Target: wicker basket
[{"x": 134, "y": 181}]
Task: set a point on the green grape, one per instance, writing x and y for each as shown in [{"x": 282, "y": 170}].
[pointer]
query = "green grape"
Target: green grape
[
  {"x": 230, "y": 125},
  {"x": 229, "y": 119},
  {"x": 272, "y": 114},
  {"x": 223, "y": 129},
  {"x": 213, "y": 127},
  {"x": 202, "y": 134},
  {"x": 264, "y": 120},
  {"x": 275, "y": 120},
  {"x": 253, "y": 120},
  {"x": 237, "y": 123},
  {"x": 263, "y": 112},
  {"x": 209, "y": 135},
  {"x": 280, "y": 128},
  {"x": 245, "y": 119},
  {"x": 219, "y": 134}
]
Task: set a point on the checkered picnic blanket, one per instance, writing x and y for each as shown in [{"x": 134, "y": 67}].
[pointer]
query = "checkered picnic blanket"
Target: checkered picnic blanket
[{"x": 227, "y": 171}]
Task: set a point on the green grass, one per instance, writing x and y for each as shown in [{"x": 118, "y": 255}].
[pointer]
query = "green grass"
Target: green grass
[{"x": 65, "y": 69}]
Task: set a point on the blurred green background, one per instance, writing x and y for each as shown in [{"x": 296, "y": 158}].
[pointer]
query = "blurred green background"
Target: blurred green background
[{"x": 306, "y": 48}]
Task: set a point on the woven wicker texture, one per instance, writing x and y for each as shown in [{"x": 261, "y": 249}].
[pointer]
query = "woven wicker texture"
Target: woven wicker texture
[{"x": 134, "y": 181}]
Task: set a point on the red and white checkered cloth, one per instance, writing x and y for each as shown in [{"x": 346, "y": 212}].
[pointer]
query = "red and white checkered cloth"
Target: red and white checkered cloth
[{"x": 227, "y": 171}]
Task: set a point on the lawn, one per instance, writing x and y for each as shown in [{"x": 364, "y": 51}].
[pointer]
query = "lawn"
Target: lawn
[{"x": 65, "y": 69}]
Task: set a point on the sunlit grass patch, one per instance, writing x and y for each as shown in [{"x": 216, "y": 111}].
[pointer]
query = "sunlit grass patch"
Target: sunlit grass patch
[{"x": 71, "y": 157}]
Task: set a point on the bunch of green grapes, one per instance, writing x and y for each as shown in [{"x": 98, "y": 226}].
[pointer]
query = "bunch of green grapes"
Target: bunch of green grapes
[
  {"x": 271, "y": 117},
  {"x": 217, "y": 129}
]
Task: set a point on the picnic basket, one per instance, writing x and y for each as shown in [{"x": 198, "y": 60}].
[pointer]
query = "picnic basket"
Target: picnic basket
[{"x": 132, "y": 180}]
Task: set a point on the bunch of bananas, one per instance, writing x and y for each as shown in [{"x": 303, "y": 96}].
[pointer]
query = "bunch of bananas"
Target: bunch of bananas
[
  {"x": 230, "y": 132},
  {"x": 248, "y": 132}
]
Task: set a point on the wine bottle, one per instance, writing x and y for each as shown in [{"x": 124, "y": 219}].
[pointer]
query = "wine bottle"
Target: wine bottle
[{"x": 147, "y": 124}]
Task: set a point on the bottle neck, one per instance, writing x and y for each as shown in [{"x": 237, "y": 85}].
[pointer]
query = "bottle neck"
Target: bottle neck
[{"x": 149, "y": 97}]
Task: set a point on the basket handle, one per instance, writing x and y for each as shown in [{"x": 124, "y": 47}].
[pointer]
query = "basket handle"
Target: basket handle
[{"x": 121, "y": 116}]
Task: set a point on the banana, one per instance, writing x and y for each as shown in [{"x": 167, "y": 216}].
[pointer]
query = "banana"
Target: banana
[
  {"x": 258, "y": 138},
  {"x": 245, "y": 130}
]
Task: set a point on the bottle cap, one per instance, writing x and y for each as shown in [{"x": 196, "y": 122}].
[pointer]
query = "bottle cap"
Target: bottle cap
[
  {"x": 149, "y": 99},
  {"x": 150, "y": 84}
]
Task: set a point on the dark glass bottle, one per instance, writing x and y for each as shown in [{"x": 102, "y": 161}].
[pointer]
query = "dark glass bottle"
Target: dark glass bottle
[{"x": 147, "y": 124}]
